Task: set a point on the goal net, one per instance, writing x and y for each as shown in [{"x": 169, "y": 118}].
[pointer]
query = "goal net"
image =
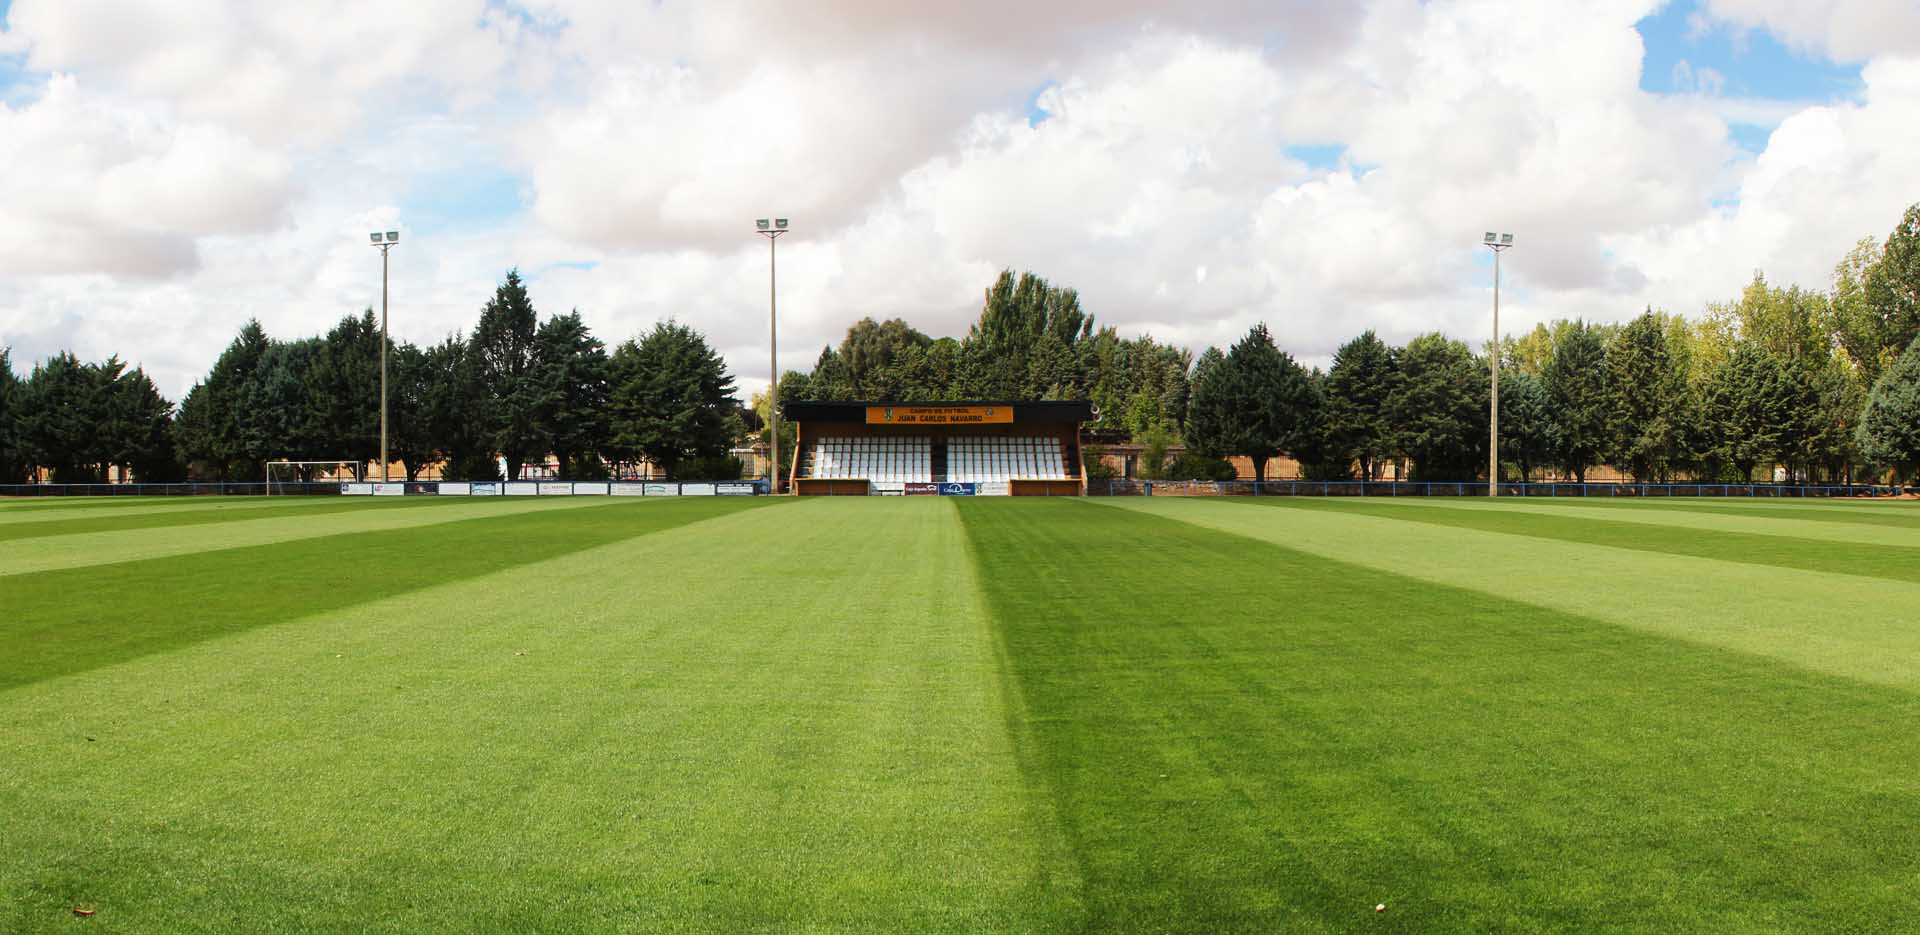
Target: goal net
[{"x": 282, "y": 473}]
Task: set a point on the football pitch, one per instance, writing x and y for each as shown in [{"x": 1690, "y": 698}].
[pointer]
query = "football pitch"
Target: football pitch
[{"x": 958, "y": 715}]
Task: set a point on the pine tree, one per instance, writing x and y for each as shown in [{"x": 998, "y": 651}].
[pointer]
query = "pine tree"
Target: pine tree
[
  {"x": 1526, "y": 422},
  {"x": 1253, "y": 401},
  {"x": 453, "y": 405},
  {"x": 1748, "y": 408},
  {"x": 57, "y": 418},
  {"x": 341, "y": 393},
  {"x": 13, "y": 467},
  {"x": 138, "y": 432},
  {"x": 1889, "y": 432},
  {"x": 503, "y": 348},
  {"x": 1358, "y": 388},
  {"x": 218, "y": 422},
  {"x": 571, "y": 375},
  {"x": 1576, "y": 383},
  {"x": 1649, "y": 392},
  {"x": 1438, "y": 408},
  {"x": 672, "y": 398},
  {"x": 410, "y": 430}
]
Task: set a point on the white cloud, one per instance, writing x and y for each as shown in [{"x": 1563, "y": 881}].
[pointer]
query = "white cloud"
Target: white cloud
[
  {"x": 271, "y": 71},
  {"x": 225, "y": 160},
  {"x": 1844, "y": 30},
  {"x": 1829, "y": 176},
  {"x": 95, "y": 186}
]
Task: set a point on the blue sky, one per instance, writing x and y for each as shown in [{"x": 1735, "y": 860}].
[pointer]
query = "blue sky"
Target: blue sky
[{"x": 1684, "y": 54}]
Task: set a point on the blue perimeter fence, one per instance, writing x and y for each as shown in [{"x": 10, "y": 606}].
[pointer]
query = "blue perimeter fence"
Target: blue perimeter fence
[
  {"x": 364, "y": 488},
  {"x": 1097, "y": 488},
  {"x": 1354, "y": 488}
]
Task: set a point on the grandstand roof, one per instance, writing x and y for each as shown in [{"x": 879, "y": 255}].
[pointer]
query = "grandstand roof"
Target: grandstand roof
[{"x": 856, "y": 410}]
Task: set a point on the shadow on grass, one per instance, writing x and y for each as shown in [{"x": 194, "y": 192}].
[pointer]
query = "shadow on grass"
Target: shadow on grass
[
  {"x": 1892, "y": 514},
  {"x": 1240, "y": 737},
  {"x": 1894, "y": 563}
]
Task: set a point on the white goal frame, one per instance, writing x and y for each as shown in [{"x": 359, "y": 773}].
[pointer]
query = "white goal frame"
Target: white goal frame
[{"x": 300, "y": 464}]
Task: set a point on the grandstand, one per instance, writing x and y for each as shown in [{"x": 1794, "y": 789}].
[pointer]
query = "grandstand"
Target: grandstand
[{"x": 957, "y": 448}]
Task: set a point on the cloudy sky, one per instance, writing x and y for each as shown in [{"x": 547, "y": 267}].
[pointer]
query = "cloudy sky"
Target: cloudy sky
[{"x": 171, "y": 168}]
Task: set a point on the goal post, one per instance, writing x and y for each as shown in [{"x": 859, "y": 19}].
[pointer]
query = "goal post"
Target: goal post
[{"x": 285, "y": 472}]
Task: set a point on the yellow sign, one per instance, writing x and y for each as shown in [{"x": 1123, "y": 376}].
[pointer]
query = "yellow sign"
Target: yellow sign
[{"x": 938, "y": 415}]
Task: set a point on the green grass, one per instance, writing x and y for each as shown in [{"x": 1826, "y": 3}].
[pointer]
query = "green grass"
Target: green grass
[
  {"x": 212, "y": 513},
  {"x": 930, "y": 715}
]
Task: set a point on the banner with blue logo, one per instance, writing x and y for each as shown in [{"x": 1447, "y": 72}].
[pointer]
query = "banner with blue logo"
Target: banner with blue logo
[{"x": 952, "y": 489}]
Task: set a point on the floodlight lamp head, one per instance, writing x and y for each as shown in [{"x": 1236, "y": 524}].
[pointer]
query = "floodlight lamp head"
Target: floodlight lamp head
[
  {"x": 780, "y": 223},
  {"x": 1506, "y": 240},
  {"x": 1491, "y": 237},
  {"x": 760, "y": 224},
  {"x": 393, "y": 236},
  {"x": 376, "y": 236}
]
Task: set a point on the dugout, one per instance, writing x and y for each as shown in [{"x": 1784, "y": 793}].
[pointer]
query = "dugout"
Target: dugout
[{"x": 939, "y": 448}]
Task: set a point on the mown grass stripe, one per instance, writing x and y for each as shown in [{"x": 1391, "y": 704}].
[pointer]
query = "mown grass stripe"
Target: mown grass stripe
[
  {"x": 79, "y": 550},
  {"x": 1894, "y": 563},
  {"x": 219, "y": 513},
  {"x": 1803, "y": 526},
  {"x": 1899, "y": 515},
  {"x": 138, "y": 506},
  {"x": 1866, "y": 629},
  {"x": 631, "y": 738},
  {"x": 72, "y": 620},
  {"x": 1242, "y": 737}
]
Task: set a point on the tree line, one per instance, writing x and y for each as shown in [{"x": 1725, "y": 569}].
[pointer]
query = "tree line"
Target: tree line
[
  {"x": 518, "y": 389},
  {"x": 1822, "y": 383},
  {"x": 1819, "y": 383}
]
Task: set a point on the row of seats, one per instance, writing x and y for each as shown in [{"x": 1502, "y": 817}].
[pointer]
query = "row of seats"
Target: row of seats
[
  {"x": 909, "y": 458},
  {"x": 1001, "y": 458},
  {"x": 904, "y": 458}
]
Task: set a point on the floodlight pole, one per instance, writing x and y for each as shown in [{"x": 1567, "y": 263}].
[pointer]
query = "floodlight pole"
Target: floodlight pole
[
  {"x": 383, "y": 360},
  {"x": 1493, "y": 406},
  {"x": 385, "y": 242},
  {"x": 773, "y": 353}
]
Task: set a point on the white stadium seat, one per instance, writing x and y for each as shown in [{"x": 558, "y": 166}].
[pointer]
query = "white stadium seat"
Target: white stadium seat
[
  {"x": 886, "y": 460},
  {"x": 974, "y": 459}
]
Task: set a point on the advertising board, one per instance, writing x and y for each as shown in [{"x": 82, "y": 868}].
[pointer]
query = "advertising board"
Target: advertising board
[
  {"x": 696, "y": 490},
  {"x": 952, "y": 489},
  {"x": 993, "y": 488},
  {"x": 734, "y": 490},
  {"x": 662, "y": 490},
  {"x": 389, "y": 490},
  {"x": 555, "y": 489},
  {"x": 887, "y": 488},
  {"x": 357, "y": 490},
  {"x": 486, "y": 489},
  {"x": 521, "y": 488},
  {"x": 619, "y": 489},
  {"x": 448, "y": 489},
  {"x": 590, "y": 489},
  {"x": 921, "y": 490},
  {"x": 939, "y": 415}
]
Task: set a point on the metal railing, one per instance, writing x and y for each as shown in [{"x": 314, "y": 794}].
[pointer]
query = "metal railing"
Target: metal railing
[
  {"x": 259, "y": 488},
  {"x": 1353, "y": 488},
  {"x": 192, "y": 489}
]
